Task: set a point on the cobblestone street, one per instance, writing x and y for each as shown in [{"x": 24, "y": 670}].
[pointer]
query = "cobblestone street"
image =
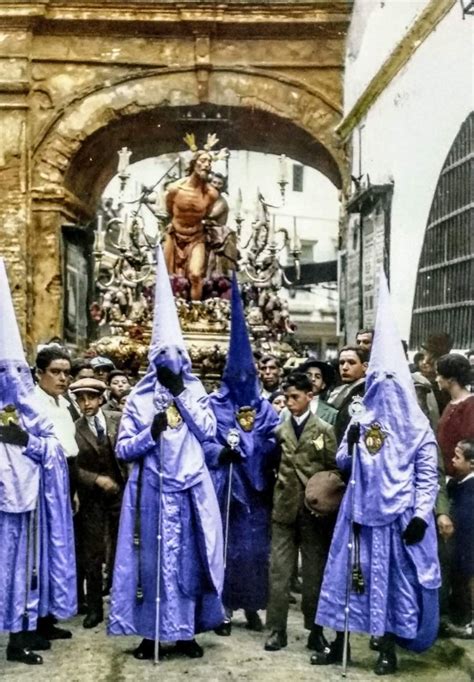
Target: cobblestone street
[{"x": 91, "y": 656}]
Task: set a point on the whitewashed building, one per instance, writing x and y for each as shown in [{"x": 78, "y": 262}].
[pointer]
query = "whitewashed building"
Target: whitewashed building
[{"x": 408, "y": 118}]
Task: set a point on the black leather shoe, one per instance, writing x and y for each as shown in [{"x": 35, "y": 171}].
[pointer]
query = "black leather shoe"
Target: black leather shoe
[
  {"x": 276, "y": 641},
  {"x": 317, "y": 641},
  {"x": 23, "y": 655},
  {"x": 92, "y": 619},
  {"x": 190, "y": 648},
  {"x": 145, "y": 651},
  {"x": 224, "y": 629},
  {"x": 374, "y": 643},
  {"x": 332, "y": 655},
  {"x": 52, "y": 632},
  {"x": 34, "y": 641},
  {"x": 386, "y": 663},
  {"x": 253, "y": 621}
]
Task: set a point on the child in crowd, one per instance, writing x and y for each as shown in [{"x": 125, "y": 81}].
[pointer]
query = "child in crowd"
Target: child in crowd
[
  {"x": 277, "y": 400},
  {"x": 461, "y": 493}
]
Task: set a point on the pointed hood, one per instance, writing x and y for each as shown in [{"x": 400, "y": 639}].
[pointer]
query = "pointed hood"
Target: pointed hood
[
  {"x": 387, "y": 354},
  {"x": 240, "y": 372},
  {"x": 167, "y": 344},
  {"x": 390, "y": 393},
  {"x": 11, "y": 347},
  {"x": 394, "y": 430}
]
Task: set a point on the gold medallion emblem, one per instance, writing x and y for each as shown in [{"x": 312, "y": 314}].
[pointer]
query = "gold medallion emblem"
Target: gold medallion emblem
[
  {"x": 173, "y": 416},
  {"x": 246, "y": 418},
  {"x": 374, "y": 438},
  {"x": 8, "y": 415}
]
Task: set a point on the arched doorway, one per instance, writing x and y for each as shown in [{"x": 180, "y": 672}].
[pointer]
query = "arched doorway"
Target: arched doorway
[
  {"x": 75, "y": 154},
  {"x": 444, "y": 299}
]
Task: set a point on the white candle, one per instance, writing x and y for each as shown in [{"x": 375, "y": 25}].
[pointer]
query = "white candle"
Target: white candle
[
  {"x": 124, "y": 234},
  {"x": 238, "y": 203},
  {"x": 296, "y": 242},
  {"x": 99, "y": 244},
  {"x": 124, "y": 157},
  {"x": 283, "y": 169}
]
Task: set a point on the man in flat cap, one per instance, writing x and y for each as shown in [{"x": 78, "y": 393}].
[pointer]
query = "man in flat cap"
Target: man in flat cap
[{"x": 101, "y": 481}]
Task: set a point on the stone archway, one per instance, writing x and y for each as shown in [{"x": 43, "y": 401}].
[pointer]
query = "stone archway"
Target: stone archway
[
  {"x": 75, "y": 155},
  {"x": 76, "y": 78}
]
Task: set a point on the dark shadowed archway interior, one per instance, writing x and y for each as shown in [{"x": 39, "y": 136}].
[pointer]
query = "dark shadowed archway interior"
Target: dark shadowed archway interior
[{"x": 161, "y": 131}]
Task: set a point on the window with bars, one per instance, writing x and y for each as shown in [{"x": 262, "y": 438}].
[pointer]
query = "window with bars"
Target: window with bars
[{"x": 444, "y": 295}]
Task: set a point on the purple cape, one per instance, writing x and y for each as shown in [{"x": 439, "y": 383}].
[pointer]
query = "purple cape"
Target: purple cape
[
  {"x": 191, "y": 567},
  {"x": 37, "y": 560},
  {"x": 395, "y": 477},
  {"x": 246, "y": 576}
]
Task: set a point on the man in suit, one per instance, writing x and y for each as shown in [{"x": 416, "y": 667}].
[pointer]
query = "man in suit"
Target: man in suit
[
  {"x": 353, "y": 364},
  {"x": 308, "y": 445},
  {"x": 101, "y": 481},
  {"x": 322, "y": 377}
]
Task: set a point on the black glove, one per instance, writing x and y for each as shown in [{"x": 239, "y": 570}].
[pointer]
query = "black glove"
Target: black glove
[
  {"x": 229, "y": 455},
  {"x": 167, "y": 378},
  {"x": 415, "y": 531},
  {"x": 158, "y": 425},
  {"x": 14, "y": 435},
  {"x": 353, "y": 433}
]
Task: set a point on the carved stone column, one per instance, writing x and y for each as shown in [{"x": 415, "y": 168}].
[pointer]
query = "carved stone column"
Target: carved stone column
[{"x": 14, "y": 164}]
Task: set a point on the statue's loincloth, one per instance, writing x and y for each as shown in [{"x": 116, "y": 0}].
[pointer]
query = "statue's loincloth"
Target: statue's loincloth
[{"x": 184, "y": 246}]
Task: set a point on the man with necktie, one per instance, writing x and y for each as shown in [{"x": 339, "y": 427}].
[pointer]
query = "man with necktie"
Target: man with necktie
[
  {"x": 101, "y": 481},
  {"x": 308, "y": 446}
]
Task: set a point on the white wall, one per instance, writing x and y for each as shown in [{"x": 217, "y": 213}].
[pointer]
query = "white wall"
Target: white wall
[
  {"x": 376, "y": 28},
  {"x": 407, "y": 135}
]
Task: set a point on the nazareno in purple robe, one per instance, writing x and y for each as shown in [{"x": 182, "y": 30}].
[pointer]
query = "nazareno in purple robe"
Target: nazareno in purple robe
[
  {"x": 37, "y": 560},
  {"x": 191, "y": 566},
  {"x": 395, "y": 479},
  {"x": 248, "y": 550}
]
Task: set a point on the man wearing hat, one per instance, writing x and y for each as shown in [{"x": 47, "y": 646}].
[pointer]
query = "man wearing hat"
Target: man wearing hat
[
  {"x": 102, "y": 367},
  {"x": 101, "y": 481}
]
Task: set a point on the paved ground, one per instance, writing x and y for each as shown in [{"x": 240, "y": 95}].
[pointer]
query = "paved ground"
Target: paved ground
[{"x": 92, "y": 656}]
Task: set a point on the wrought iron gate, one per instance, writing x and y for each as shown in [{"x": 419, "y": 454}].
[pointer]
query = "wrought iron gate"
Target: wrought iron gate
[{"x": 444, "y": 295}]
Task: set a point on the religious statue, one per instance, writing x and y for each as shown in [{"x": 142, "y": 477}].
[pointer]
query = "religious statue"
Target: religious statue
[
  {"x": 221, "y": 239},
  {"x": 188, "y": 202}
]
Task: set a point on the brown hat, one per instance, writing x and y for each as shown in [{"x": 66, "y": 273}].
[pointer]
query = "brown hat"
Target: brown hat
[
  {"x": 88, "y": 385},
  {"x": 324, "y": 492}
]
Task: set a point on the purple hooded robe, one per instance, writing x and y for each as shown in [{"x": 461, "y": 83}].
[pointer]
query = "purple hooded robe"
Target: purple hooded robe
[
  {"x": 248, "y": 548},
  {"x": 37, "y": 560},
  {"x": 169, "y": 478},
  {"x": 394, "y": 479}
]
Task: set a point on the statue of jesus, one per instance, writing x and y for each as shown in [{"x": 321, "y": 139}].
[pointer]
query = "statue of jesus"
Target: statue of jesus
[{"x": 188, "y": 202}]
